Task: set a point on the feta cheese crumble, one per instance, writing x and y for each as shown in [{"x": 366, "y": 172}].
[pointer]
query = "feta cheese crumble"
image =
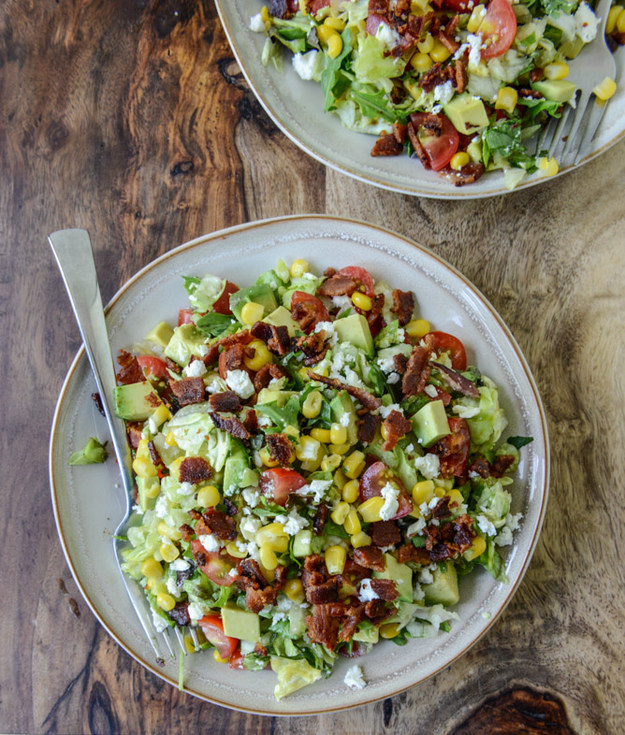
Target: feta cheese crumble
[
  {"x": 390, "y": 493},
  {"x": 429, "y": 465},
  {"x": 366, "y": 593},
  {"x": 239, "y": 381},
  {"x": 354, "y": 678}
]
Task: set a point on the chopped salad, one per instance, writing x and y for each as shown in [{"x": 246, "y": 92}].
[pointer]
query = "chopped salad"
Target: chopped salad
[
  {"x": 463, "y": 86},
  {"x": 316, "y": 467}
]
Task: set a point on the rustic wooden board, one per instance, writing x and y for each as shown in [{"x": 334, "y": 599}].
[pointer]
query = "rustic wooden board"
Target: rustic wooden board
[{"x": 129, "y": 118}]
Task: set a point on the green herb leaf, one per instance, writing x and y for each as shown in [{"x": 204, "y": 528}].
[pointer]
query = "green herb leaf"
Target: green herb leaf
[
  {"x": 213, "y": 324},
  {"x": 520, "y": 441}
]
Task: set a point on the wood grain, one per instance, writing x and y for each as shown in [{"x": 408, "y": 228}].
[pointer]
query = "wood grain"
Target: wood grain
[{"x": 129, "y": 118}]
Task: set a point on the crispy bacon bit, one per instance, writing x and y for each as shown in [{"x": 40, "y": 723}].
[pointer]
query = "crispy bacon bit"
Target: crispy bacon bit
[
  {"x": 468, "y": 174},
  {"x": 456, "y": 381},
  {"x": 337, "y": 285},
  {"x": 376, "y": 611},
  {"x": 449, "y": 540},
  {"x": 188, "y": 390},
  {"x": 403, "y": 306},
  {"x": 441, "y": 509},
  {"x": 130, "y": 371},
  {"x": 218, "y": 523},
  {"x": 449, "y": 43},
  {"x": 318, "y": 585},
  {"x": 501, "y": 465},
  {"x": 227, "y": 401},
  {"x": 480, "y": 466},
  {"x": 258, "y": 592},
  {"x": 232, "y": 358},
  {"x": 399, "y": 131},
  {"x": 249, "y": 574},
  {"x": 250, "y": 422},
  {"x": 408, "y": 552},
  {"x": 95, "y": 397},
  {"x": 232, "y": 425},
  {"x": 279, "y": 342},
  {"x": 239, "y": 338},
  {"x": 385, "y": 589},
  {"x": 313, "y": 346},
  {"x": 375, "y": 318},
  {"x": 323, "y": 626},
  {"x": 396, "y": 426},
  {"x": 211, "y": 357},
  {"x": 416, "y": 144},
  {"x": 367, "y": 426},
  {"x": 369, "y": 401},
  {"x": 417, "y": 371},
  {"x": 379, "y": 7},
  {"x": 280, "y": 448},
  {"x": 174, "y": 367},
  {"x": 180, "y": 613},
  {"x": 369, "y": 557},
  {"x": 186, "y": 532},
  {"x": 134, "y": 432},
  {"x": 194, "y": 470},
  {"x": 281, "y": 8},
  {"x": 384, "y": 533},
  {"x": 157, "y": 460},
  {"x": 387, "y": 145},
  {"x": 266, "y": 374},
  {"x": 400, "y": 363},
  {"x": 321, "y": 517},
  {"x": 261, "y": 330},
  {"x": 461, "y": 76}
]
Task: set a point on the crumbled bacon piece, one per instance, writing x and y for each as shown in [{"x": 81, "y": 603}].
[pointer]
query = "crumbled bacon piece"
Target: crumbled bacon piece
[
  {"x": 416, "y": 144},
  {"x": 370, "y": 557},
  {"x": 403, "y": 306},
  {"x": 337, "y": 285},
  {"x": 232, "y": 425},
  {"x": 441, "y": 509},
  {"x": 367, "y": 426},
  {"x": 280, "y": 448},
  {"x": 461, "y": 76},
  {"x": 387, "y": 145},
  {"x": 130, "y": 371},
  {"x": 385, "y": 589},
  {"x": 396, "y": 425},
  {"x": 400, "y": 363},
  {"x": 318, "y": 585},
  {"x": 369, "y": 401},
  {"x": 266, "y": 374},
  {"x": 374, "y": 316},
  {"x": 408, "y": 552},
  {"x": 232, "y": 358},
  {"x": 258, "y": 592},
  {"x": 501, "y": 465},
  {"x": 228, "y": 401},
  {"x": 384, "y": 533},
  {"x": 186, "y": 532},
  {"x": 157, "y": 460},
  {"x": 399, "y": 131},
  {"x": 323, "y": 626},
  {"x": 321, "y": 516},
  {"x": 417, "y": 371},
  {"x": 188, "y": 390},
  {"x": 313, "y": 346},
  {"x": 134, "y": 432},
  {"x": 279, "y": 342},
  {"x": 218, "y": 523},
  {"x": 480, "y": 466},
  {"x": 376, "y": 611},
  {"x": 250, "y": 422},
  {"x": 456, "y": 381},
  {"x": 379, "y": 7},
  {"x": 450, "y": 539},
  {"x": 194, "y": 470},
  {"x": 468, "y": 174}
]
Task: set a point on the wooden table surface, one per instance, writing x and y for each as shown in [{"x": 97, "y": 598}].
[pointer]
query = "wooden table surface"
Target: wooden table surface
[{"x": 130, "y": 119}]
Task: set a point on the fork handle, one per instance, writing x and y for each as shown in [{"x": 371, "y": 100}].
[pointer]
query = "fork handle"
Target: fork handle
[{"x": 74, "y": 256}]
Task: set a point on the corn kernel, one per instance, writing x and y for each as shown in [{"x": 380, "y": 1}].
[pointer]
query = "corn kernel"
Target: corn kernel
[
  {"x": 352, "y": 523},
  {"x": 321, "y": 435},
  {"x": 477, "y": 16},
  {"x": 507, "y": 98},
  {"x": 474, "y": 149},
  {"x": 218, "y": 658},
  {"x": 233, "y": 550},
  {"x": 189, "y": 645},
  {"x": 360, "y": 539},
  {"x": 151, "y": 487},
  {"x": 423, "y": 492},
  {"x": 417, "y": 328},
  {"x": 208, "y": 496},
  {"x": 548, "y": 166},
  {"x": 252, "y": 313},
  {"x": 266, "y": 458},
  {"x": 152, "y": 568},
  {"x": 338, "y": 434},
  {"x": 270, "y": 533},
  {"x": 169, "y": 552},
  {"x": 339, "y": 479},
  {"x": 144, "y": 467},
  {"x": 339, "y": 514},
  {"x": 370, "y": 509},
  {"x": 350, "y": 491},
  {"x": 620, "y": 21},
  {"x": 298, "y": 268},
  {"x": 268, "y": 557},
  {"x": 339, "y": 448},
  {"x": 605, "y": 89},
  {"x": 455, "y": 496},
  {"x": 170, "y": 439},
  {"x": 389, "y": 630},
  {"x": 557, "y": 70},
  {"x": 614, "y": 13},
  {"x": 354, "y": 464},
  {"x": 335, "y": 558},
  {"x": 174, "y": 468},
  {"x": 361, "y": 301},
  {"x": 165, "y": 601},
  {"x": 338, "y": 24},
  {"x": 324, "y": 33},
  {"x": 294, "y": 590},
  {"x": 168, "y": 531},
  {"x": 426, "y": 44},
  {"x": 439, "y": 52},
  {"x": 311, "y": 408},
  {"x": 264, "y": 14},
  {"x": 330, "y": 462},
  {"x": 161, "y": 415},
  {"x": 478, "y": 547},
  {"x": 261, "y": 355},
  {"x": 458, "y": 160}
]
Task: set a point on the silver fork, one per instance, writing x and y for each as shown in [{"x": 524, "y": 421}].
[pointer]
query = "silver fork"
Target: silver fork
[
  {"x": 569, "y": 138},
  {"x": 74, "y": 257}
]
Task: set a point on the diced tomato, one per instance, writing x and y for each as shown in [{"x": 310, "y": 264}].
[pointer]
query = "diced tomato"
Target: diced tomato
[
  {"x": 314, "y": 306},
  {"x": 185, "y": 316},
  {"x": 361, "y": 275},
  {"x": 459, "y": 6},
  {"x": 236, "y": 660},
  {"x": 439, "y": 149},
  {"x": 453, "y": 449},
  {"x": 314, "y": 6},
  {"x": 213, "y": 629},
  {"x": 214, "y": 564},
  {"x": 498, "y": 29},
  {"x": 443, "y": 342},
  {"x": 279, "y": 482},
  {"x": 153, "y": 367},
  {"x": 375, "y": 478},
  {"x": 222, "y": 305}
]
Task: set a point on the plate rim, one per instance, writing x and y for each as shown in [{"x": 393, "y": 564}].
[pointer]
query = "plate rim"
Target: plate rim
[
  {"x": 455, "y": 193},
  {"x": 521, "y": 361}
]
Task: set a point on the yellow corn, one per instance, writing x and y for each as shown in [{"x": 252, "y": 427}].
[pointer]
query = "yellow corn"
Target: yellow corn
[
  {"x": 174, "y": 468},
  {"x": 354, "y": 464},
  {"x": 421, "y": 61},
  {"x": 218, "y": 658},
  {"x": 165, "y": 601},
  {"x": 389, "y": 630},
  {"x": 458, "y": 160},
  {"x": 338, "y": 24},
  {"x": 152, "y": 569},
  {"x": 308, "y": 449},
  {"x": 474, "y": 149},
  {"x": 311, "y": 408},
  {"x": 417, "y": 328},
  {"x": 298, "y": 268},
  {"x": 439, "y": 52},
  {"x": 338, "y": 433},
  {"x": 233, "y": 550},
  {"x": 478, "y": 547},
  {"x": 151, "y": 489},
  {"x": 169, "y": 552},
  {"x": 605, "y": 89},
  {"x": 252, "y": 313},
  {"x": 477, "y": 16},
  {"x": 294, "y": 590},
  {"x": 324, "y": 33},
  {"x": 330, "y": 462},
  {"x": 264, "y": 14},
  {"x": 350, "y": 491},
  {"x": 557, "y": 70},
  {"x": 170, "y": 439},
  {"x": 189, "y": 645},
  {"x": 321, "y": 435},
  {"x": 208, "y": 496},
  {"x": 270, "y": 532},
  {"x": 507, "y": 98},
  {"x": 161, "y": 415},
  {"x": 168, "y": 531},
  {"x": 426, "y": 44},
  {"x": 266, "y": 459},
  {"x": 620, "y": 21},
  {"x": 335, "y": 558},
  {"x": 455, "y": 496},
  {"x": 268, "y": 557},
  {"x": 352, "y": 523},
  {"x": 340, "y": 448},
  {"x": 548, "y": 166},
  {"x": 261, "y": 355},
  {"x": 360, "y": 539},
  {"x": 423, "y": 492},
  {"x": 370, "y": 509},
  {"x": 143, "y": 467},
  {"x": 339, "y": 514},
  {"x": 361, "y": 301},
  {"x": 614, "y": 13}
]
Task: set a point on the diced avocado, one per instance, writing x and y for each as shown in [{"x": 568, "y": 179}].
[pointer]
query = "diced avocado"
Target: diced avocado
[
  {"x": 401, "y": 574},
  {"x": 281, "y": 317},
  {"x": 467, "y": 113},
  {"x": 293, "y": 674},
  {"x": 187, "y": 340},
  {"x": 241, "y": 624},
  {"x": 302, "y": 543},
  {"x": 355, "y": 330},
  {"x": 268, "y": 395},
  {"x": 572, "y": 48},
  {"x": 558, "y": 90},
  {"x": 367, "y": 633},
  {"x": 160, "y": 335},
  {"x": 147, "y": 490},
  {"x": 444, "y": 588},
  {"x": 236, "y": 465},
  {"x": 341, "y": 406},
  {"x": 249, "y": 477},
  {"x": 259, "y": 293},
  {"x": 136, "y": 401},
  {"x": 430, "y": 423}
]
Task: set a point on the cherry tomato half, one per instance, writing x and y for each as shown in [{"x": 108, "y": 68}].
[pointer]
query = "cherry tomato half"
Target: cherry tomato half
[
  {"x": 498, "y": 29},
  {"x": 361, "y": 275},
  {"x": 215, "y": 565},
  {"x": 314, "y": 310},
  {"x": 185, "y": 316},
  {"x": 279, "y": 482},
  {"x": 222, "y": 305},
  {"x": 443, "y": 342},
  {"x": 375, "y": 478},
  {"x": 153, "y": 367},
  {"x": 439, "y": 149},
  {"x": 213, "y": 629}
]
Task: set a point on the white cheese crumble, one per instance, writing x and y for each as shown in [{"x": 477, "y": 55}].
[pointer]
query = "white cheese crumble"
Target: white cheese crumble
[
  {"x": 257, "y": 24},
  {"x": 249, "y": 526},
  {"x": 414, "y": 529},
  {"x": 186, "y": 488},
  {"x": 179, "y": 565},
  {"x": 161, "y": 507},
  {"x": 216, "y": 385},
  {"x": 354, "y": 678},
  {"x": 195, "y": 611},
  {"x": 239, "y": 381},
  {"x": 429, "y": 465},
  {"x": 425, "y": 577},
  {"x": 389, "y": 37},
  {"x": 210, "y": 542},
  {"x": 342, "y": 302},
  {"x": 366, "y": 593},
  {"x": 586, "y": 23},
  {"x": 293, "y": 522},
  {"x": 328, "y": 329},
  {"x": 195, "y": 369},
  {"x": 465, "y": 412},
  {"x": 384, "y": 411},
  {"x": 171, "y": 586},
  {"x": 251, "y": 496},
  {"x": 430, "y": 390},
  {"x": 486, "y": 526},
  {"x": 318, "y": 488},
  {"x": 443, "y": 92},
  {"x": 390, "y": 493},
  {"x": 306, "y": 66},
  {"x": 345, "y": 420},
  {"x": 159, "y": 623},
  {"x": 393, "y": 378}
]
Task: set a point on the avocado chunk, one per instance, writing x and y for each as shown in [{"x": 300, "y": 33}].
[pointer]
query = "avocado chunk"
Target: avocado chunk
[
  {"x": 466, "y": 113},
  {"x": 160, "y": 335},
  {"x": 235, "y": 467},
  {"x": 281, "y": 317},
  {"x": 259, "y": 293},
  {"x": 430, "y": 423},
  {"x": 444, "y": 588},
  {"x": 147, "y": 490},
  {"x": 136, "y": 401},
  {"x": 355, "y": 330},
  {"x": 558, "y": 90},
  {"x": 341, "y": 406},
  {"x": 187, "y": 340},
  {"x": 572, "y": 48},
  {"x": 269, "y": 395},
  {"x": 241, "y": 624},
  {"x": 401, "y": 574}
]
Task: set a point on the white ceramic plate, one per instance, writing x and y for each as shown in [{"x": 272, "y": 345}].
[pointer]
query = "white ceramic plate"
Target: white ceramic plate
[
  {"x": 296, "y": 107},
  {"x": 86, "y": 500}
]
